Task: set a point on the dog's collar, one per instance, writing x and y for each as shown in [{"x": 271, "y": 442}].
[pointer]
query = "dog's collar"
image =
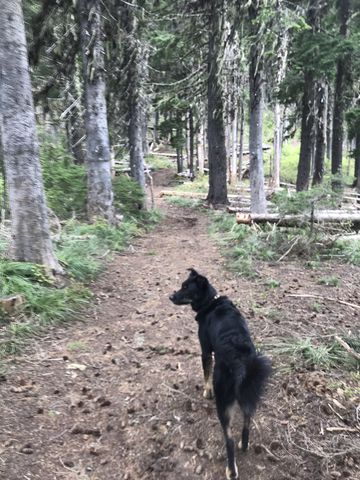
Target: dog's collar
[{"x": 206, "y": 307}]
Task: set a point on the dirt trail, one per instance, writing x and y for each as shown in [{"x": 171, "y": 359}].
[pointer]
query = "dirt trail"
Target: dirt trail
[{"x": 119, "y": 396}]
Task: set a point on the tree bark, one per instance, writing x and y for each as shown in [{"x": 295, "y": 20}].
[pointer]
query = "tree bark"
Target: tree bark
[
  {"x": 201, "y": 148},
  {"x": 278, "y": 109},
  {"x": 191, "y": 143},
  {"x": 100, "y": 194},
  {"x": 320, "y": 133},
  {"x": 234, "y": 148},
  {"x": 357, "y": 162},
  {"x": 216, "y": 134},
  {"x": 339, "y": 101},
  {"x": 329, "y": 120},
  {"x": 241, "y": 138},
  {"x": 31, "y": 240},
  {"x": 308, "y": 110},
  {"x": 137, "y": 71},
  {"x": 258, "y": 200}
]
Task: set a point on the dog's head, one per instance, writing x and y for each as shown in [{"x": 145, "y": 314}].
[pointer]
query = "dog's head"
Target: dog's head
[{"x": 195, "y": 290}]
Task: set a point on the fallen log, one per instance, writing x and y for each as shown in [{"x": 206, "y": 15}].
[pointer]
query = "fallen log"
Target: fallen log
[
  {"x": 296, "y": 220},
  {"x": 200, "y": 195}
]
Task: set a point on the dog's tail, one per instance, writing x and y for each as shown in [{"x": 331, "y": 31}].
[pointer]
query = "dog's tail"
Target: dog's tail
[{"x": 251, "y": 384}]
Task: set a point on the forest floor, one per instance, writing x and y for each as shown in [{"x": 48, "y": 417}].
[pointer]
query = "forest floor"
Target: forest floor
[{"x": 118, "y": 394}]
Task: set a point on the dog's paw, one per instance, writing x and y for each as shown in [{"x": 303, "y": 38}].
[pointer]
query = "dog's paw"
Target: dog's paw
[
  {"x": 242, "y": 447},
  {"x": 208, "y": 393},
  {"x": 231, "y": 475}
]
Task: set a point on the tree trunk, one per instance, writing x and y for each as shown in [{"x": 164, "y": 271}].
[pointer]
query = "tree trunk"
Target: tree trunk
[
  {"x": 201, "y": 148},
  {"x": 191, "y": 143},
  {"x": 308, "y": 110},
  {"x": 234, "y": 148},
  {"x": 282, "y": 54},
  {"x": 320, "y": 133},
  {"x": 156, "y": 127},
  {"x": 100, "y": 194},
  {"x": 258, "y": 200},
  {"x": 216, "y": 135},
  {"x": 357, "y": 162},
  {"x": 329, "y": 120},
  {"x": 137, "y": 72},
  {"x": 241, "y": 138},
  {"x": 31, "y": 240},
  {"x": 339, "y": 101},
  {"x": 278, "y": 114},
  {"x": 307, "y": 134}
]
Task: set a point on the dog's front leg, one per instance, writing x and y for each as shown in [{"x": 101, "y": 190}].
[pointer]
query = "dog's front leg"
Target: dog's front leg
[{"x": 207, "y": 363}]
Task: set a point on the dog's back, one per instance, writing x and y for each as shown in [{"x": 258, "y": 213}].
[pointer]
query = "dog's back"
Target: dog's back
[{"x": 235, "y": 354}]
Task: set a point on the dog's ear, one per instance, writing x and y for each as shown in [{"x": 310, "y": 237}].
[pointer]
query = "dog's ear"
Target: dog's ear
[
  {"x": 202, "y": 282},
  {"x": 193, "y": 272}
]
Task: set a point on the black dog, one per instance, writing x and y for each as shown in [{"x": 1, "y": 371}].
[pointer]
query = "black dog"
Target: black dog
[{"x": 240, "y": 373}]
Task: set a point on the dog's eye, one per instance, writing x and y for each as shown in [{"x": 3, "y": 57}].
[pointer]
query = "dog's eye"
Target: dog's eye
[{"x": 184, "y": 287}]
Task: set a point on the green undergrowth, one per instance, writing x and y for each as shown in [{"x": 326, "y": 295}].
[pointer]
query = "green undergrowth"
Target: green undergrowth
[
  {"x": 156, "y": 162},
  {"x": 184, "y": 202},
  {"x": 81, "y": 249},
  {"x": 320, "y": 353},
  {"x": 303, "y": 202}
]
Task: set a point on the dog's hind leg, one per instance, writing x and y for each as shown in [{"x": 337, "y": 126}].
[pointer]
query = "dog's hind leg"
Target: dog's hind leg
[
  {"x": 226, "y": 416},
  {"x": 245, "y": 433},
  {"x": 207, "y": 363}
]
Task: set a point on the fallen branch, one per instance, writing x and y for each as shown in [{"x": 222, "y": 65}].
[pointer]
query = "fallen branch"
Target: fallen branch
[
  {"x": 342, "y": 429},
  {"x": 319, "y": 297},
  {"x": 347, "y": 347},
  {"x": 296, "y": 220}
]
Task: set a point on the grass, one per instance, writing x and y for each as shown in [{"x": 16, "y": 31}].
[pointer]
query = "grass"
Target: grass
[
  {"x": 76, "y": 346},
  {"x": 81, "y": 250},
  {"x": 330, "y": 281},
  {"x": 200, "y": 184},
  {"x": 349, "y": 250},
  {"x": 156, "y": 162},
  {"x": 321, "y": 354},
  {"x": 244, "y": 245},
  {"x": 183, "y": 202}
]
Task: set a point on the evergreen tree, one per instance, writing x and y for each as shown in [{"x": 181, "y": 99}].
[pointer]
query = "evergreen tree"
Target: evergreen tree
[{"x": 31, "y": 239}]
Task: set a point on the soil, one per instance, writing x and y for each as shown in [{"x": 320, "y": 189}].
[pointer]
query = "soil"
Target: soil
[{"x": 118, "y": 394}]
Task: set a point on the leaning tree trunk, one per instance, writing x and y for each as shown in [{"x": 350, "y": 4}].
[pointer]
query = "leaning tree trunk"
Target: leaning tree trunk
[
  {"x": 216, "y": 133},
  {"x": 100, "y": 194},
  {"x": 258, "y": 200},
  {"x": 339, "y": 101},
  {"x": 31, "y": 240},
  {"x": 320, "y": 134}
]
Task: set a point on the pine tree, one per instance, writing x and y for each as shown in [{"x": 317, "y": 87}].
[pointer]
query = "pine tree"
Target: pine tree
[{"x": 31, "y": 239}]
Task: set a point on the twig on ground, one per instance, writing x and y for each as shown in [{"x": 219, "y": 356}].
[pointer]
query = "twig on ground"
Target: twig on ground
[
  {"x": 342, "y": 429},
  {"x": 320, "y": 297},
  {"x": 347, "y": 347},
  {"x": 289, "y": 250},
  {"x": 179, "y": 392}
]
